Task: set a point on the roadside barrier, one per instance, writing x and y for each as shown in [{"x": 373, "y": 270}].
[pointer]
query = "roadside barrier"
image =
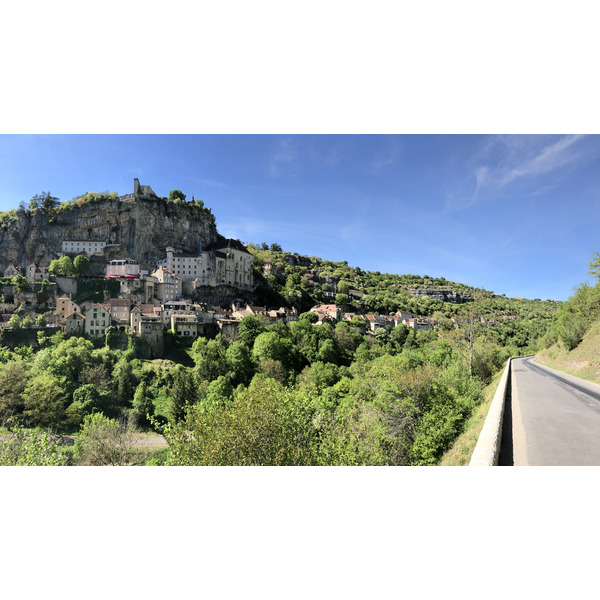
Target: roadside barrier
[{"x": 487, "y": 449}]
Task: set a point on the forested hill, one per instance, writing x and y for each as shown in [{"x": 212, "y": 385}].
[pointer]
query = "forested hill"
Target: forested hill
[{"x": 290, "y": 279}]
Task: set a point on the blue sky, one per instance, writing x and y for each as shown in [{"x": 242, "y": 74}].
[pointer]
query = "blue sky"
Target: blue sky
[{"x": 515, "y": 214}]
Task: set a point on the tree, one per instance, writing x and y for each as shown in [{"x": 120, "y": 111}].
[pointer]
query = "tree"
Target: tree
[
  {"x": 110, "y": 336},
  {"x": 309, "y": 316},
  {"x": 217, "y": 392},
  {"x": 264, "y": 425},
  {"x": 594, "y": 265},
  {"x": 20, "y": 282},
  {"x": 97, "y": 375},
  {"x": 271, "y": 345},
  {"x": 240, "y": 363},
  {"x": 65, "y": 266},
  {"x": 49, "y": 202},
  {"x": 210, "y": 358},
  {"x": 45, "y": 200},
  {"x": 54, "y": 268},
  {"x": 14, "y": 321},
  {"x": 343, "y": 287},
  {"x": 27, "y": 322},
  {"x": 93, "y": 400},
  {"x": 81, "y": 265},
  {"x": 177, "y": 196},
  {"x": 125, "y": 382},
  {"x": 41, "y": 321},
  {"x": 182, "y": 394},
  {"x": 45, "y": 401},
  {"x": 13, "y": 380},
  {"x": 341, "y": 299},
  {"x": 275, "y": 248},
  {"x": 249, "y": 328},
  {"x": 469, "y": 324},
  {"x": 143, "y": 407},
  {"x": 272, "y": 369},
  {"x": 65, "y": 361}
]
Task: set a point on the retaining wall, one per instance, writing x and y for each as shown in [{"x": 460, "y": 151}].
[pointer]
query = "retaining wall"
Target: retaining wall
[{"x": 487, "y": 450}]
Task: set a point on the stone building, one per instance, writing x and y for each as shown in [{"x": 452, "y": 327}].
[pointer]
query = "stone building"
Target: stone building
[
  {"x": 221, "y": 263},
  {"x": 97, "y": 319},
  {"x": 123, "y": 267},
  {"x": 167, "y": 286},
  {"x": 75, "y": 323},
  {"x": 83, "y": 247}
]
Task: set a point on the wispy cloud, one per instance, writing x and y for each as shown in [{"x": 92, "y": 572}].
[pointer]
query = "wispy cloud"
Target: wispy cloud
[
  {"x": 285, "y": 154},
  {"x": 535, "y": 162},
  {"x": 385, "y": 157},
  {"x": 546, "y": 159}
]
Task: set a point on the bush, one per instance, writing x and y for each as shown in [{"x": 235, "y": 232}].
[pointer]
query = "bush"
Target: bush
[
  {"x": 31, "y": 448},
  {"x": 103, "y": 441}
]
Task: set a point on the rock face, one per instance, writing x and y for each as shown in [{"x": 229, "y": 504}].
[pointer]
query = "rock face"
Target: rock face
[
  {"x": 138, "y": 227},
  {"x": 444, "y": 294}
]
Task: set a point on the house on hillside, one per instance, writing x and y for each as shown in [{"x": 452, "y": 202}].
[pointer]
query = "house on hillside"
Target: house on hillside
[
  {"x": 375, "y": 322},
  {"x": 331, "y": 311},
  {"x": 35, "y": 273},
  {"x": 97, "y": 319},
  {"x": 75, "y": 323},
  {"x": 123, "y": 267},
  {"x": 419, "y": 323},
  {"x": 11, "y": 271},
  {"x": 167, "y": 286},
  {"x": 239, "y": 313},
  {"x": 224, "y": 262},
  {"x": 83, "y": 247},
  {"x": 185, "y": 325},
  {"x": 119, "y": 309},
  {"x": 65, "y": 306}
]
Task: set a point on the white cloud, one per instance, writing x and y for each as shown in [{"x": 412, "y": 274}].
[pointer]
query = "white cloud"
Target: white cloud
[
  {"x": 548, "y": 158},
  {"x": 509, "y": 159},
  {"x": 385, "y": 157},
  {"x": 286, "y": 154}
]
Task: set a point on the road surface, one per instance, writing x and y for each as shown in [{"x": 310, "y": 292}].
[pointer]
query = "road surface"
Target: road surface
[{"x": 555, "y": 417}]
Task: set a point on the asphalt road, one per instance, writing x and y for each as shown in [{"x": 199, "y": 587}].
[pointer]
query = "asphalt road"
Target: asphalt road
[{"x": 555, "y": 417}]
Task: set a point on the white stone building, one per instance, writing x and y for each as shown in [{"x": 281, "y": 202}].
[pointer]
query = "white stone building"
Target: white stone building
[
  {"x": 83, "y": 247},
  {"x": 222, "y": 263},
  {"x": 97, "y": 319},
  {"x": 123, "y": 267}
]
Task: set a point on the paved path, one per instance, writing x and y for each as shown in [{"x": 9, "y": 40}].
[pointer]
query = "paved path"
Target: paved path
[
  {"x": 153, "y": 441},
  {"x": 555, "y": 417}
]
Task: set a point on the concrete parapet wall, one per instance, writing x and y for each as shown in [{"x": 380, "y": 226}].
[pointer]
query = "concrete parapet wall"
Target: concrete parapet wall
[{"x": 487, "y": 450}]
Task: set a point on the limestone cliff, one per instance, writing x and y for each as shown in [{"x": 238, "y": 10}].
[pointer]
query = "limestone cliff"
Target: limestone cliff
[
  {"x": 446, "y": 294},
  {"x": 131, "y": 226}
]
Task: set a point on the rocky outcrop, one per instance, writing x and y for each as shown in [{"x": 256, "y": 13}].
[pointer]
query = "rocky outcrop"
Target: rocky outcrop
[
  {"x": 132, "y": 226},
  {"x": 444, "y": 294}
]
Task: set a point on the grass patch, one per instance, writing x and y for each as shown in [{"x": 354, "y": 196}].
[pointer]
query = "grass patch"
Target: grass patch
[
  {"x": 459, "y": 454},
  {"x": 583, "y": 361}
]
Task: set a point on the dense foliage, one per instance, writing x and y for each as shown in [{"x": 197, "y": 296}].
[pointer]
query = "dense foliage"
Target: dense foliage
[
  {"x": 294, "y": 393},
  {"x": 575, "y": 317}
]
